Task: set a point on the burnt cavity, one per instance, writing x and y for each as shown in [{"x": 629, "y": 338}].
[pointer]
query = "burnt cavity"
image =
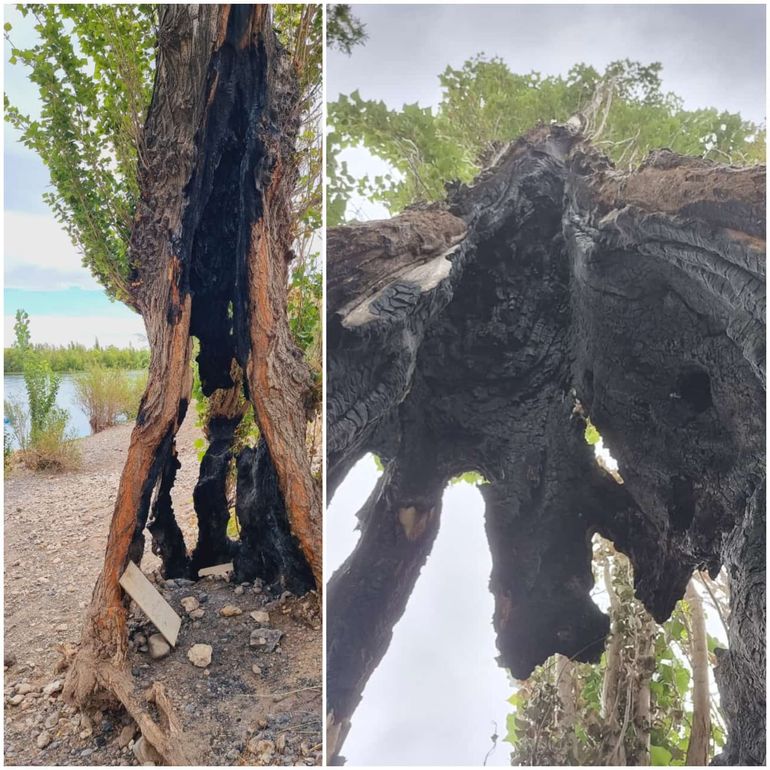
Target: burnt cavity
[{"x": 694, "y": 387}]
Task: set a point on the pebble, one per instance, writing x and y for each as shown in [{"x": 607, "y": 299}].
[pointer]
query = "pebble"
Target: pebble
[
  {"x": 43, "y": 739},
  {"x": 53, "y": 720},
  {"x": 24, "y": 688},
  {"x": 126, "y": 735},
  {"x": 190, "y": 603},
  {"x": 239, "y": 590},
  {"x": 230, "y": 611},
  {"x": 53, "y": 687},
  {"x": 200, "y": 655},
  {"x": 158, "y": 647},
  {"x": 197, "y": 614},
  {"x": 265, "y": 639},
  {"x": 260, "y": 616},
  {"x": 15, "y": 700},
  {"x": 9, "y": 659}
]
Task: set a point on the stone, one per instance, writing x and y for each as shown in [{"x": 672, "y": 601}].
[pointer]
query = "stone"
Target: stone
[
  {"x": 158, "y": 647},
  {"x": 238, "y": 590},
  {"x": 263, "y": 748},
  {"x": 53, "y": 687},
  {"x": 126, "y": 735},
  {"x": 43, "y": 739},
  {"x": 190, "y": 603},
  {"x": 16, "y": 700},
  {"x": 260, "y": 616},
  {"x": 52, "y": 720},
  {"x": 230, "y": 611},
  {"x": 145, "y": 753},
  {"x": 197, "y": 614},
  {"x": 24, "y": 688},
  {"x": 257, "y": 670},
  {"x": 9, "y": 659},
  {"x": 200, "y": 655},
  {"x": 265, "y": 639},
  {"x": 140, "y": 639}
]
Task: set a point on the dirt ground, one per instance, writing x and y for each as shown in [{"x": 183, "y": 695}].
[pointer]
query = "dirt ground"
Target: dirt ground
[{"x": 249, "y": 706}]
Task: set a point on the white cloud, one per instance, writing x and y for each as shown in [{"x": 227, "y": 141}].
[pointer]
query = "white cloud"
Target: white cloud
[
  {"x": 39, "y": 255},
  {"x": 61, "y": 330}
]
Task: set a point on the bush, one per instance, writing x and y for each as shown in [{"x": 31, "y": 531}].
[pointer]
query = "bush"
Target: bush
[
  {"x": 18, "y": 419},
  {"x": 53, "y": 449},
  {"x": 107, "y": 395}
]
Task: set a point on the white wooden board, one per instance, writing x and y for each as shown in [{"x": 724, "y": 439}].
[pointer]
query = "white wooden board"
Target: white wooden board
[
  {"x": 220, "y": 569},
  {"x": 157, "y": 609}
]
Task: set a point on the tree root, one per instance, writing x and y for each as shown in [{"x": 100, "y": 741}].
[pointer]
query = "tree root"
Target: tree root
[{"x": 95, "y": 682}]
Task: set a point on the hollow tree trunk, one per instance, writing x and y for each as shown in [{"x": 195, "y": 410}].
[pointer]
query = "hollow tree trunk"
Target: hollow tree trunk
[
  {"x": 555, "y": 288},
  {"x": 208, "y": 167}
]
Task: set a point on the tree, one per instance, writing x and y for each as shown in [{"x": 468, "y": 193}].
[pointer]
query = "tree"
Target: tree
[
  {"x": 211, "y": 239},
  {"x": 485, "y": 106},
  {"x": 641, "y": 704},
  {"x": 485, "y": 331}
]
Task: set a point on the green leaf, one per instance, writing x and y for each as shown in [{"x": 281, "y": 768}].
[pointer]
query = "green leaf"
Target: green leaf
[
  {"x": 682, "y": 680},
  {"x": 591, "y": 434},
  {"x": 660, "y": 756}
]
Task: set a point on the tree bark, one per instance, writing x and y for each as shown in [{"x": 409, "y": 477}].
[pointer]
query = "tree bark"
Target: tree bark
[
  {"x": 700, "y": 731},
  {"x": 211, "y": 176},
  {"x": 555, "y": 288}
]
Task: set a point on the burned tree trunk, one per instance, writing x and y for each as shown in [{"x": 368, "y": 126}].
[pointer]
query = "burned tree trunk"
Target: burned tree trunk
[
  {"x": 213, "y": 182},
  {"x": 487, "y": 329}
]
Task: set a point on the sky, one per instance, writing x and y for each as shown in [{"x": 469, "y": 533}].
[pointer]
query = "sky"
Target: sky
[
  {"x": 42, "y": 269},
  {"x": 430, "y": 703},
  {"x": 712, "y": 55}
]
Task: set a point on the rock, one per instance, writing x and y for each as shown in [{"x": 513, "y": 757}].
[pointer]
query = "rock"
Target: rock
[
  {"x": 265, "y": 639},
  {"x": 53, "y": 687},
  {"x": 197, "y": 614},
  {"x": 255, "y": 669},
  {"x": 16, "y": 700},
  {"x": 200, "y": 655},
  {"x": 263, "y": 748},
  {"x": 24, "y": 688},
  {"x": 126, "y": 735},
  {"x": 238, "y": 590},
  {"x": 158, "y": 647},
  {"x": 230, "y": 611},
  {"x": 52, "y": 720},
  {"x": 43, "y": 739},
  {"x": 9, "y": 659},
  {"x": 261, "y": 616},
  {"x": 140, "y": 640},
  {"x": 145, "y": 753},
  {"x": 190, "y": 603}
]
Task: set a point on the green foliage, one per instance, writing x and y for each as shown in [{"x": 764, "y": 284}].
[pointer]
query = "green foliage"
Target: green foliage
[
  {"x": 538, "y": 729},
  {"x": 469, "y": 477},
  {"x": 107, "y": 395},
  {"x": 485, "y": 106},
  {"x": 343, "y": 30},
  {"x": 41, "y": 431},
  {"x": 591, "y": 433},
  {"x": 78, "y": 358},
  {"x": 92, "y": 68}
]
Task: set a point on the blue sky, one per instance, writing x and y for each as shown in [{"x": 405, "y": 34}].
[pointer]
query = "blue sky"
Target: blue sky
[{"x": 42, "y": 269}]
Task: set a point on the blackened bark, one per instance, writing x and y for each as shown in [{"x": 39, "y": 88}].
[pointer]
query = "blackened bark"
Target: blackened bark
[
  {"x": 268, "y": 550},
  {"x": 207, "y": 175},
  {"x": 560, "y": 289}
]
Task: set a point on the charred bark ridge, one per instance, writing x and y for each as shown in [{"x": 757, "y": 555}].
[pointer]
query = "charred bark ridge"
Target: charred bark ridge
[
  {"x": 209, "y": 253},
  {"x": 478, "y": 334}
]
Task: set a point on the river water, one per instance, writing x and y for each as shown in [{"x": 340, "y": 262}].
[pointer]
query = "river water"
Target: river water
[{"x": 77, "y": 422}]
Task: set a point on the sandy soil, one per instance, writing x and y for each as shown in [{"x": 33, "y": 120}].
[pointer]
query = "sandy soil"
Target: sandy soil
[{"x": 247, "y": 707}]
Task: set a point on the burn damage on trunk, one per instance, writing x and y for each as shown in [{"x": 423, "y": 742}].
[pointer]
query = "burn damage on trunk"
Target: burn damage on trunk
[
  {"x": 481, "y": 333},
  {"x": 209, "y": 252}
]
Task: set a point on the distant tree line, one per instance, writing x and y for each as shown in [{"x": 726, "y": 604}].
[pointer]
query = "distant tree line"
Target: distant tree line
[{"x": 78, "y": 358}]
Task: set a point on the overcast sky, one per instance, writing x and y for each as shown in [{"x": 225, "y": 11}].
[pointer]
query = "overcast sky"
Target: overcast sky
[
  {"x": 434, "y": 698},
  {"x": 712, "y": 55},
  {"x": 43, "y": 272}
]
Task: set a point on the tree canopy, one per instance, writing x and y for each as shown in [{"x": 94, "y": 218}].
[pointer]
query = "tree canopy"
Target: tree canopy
[{"x": 484, "y": 105}]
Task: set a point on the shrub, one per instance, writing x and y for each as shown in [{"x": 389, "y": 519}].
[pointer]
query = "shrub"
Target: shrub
[
  {"x": 18, "y": 419},
  {"x": 53, "y": 449},
  {"x": 107, "y": 395}
]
